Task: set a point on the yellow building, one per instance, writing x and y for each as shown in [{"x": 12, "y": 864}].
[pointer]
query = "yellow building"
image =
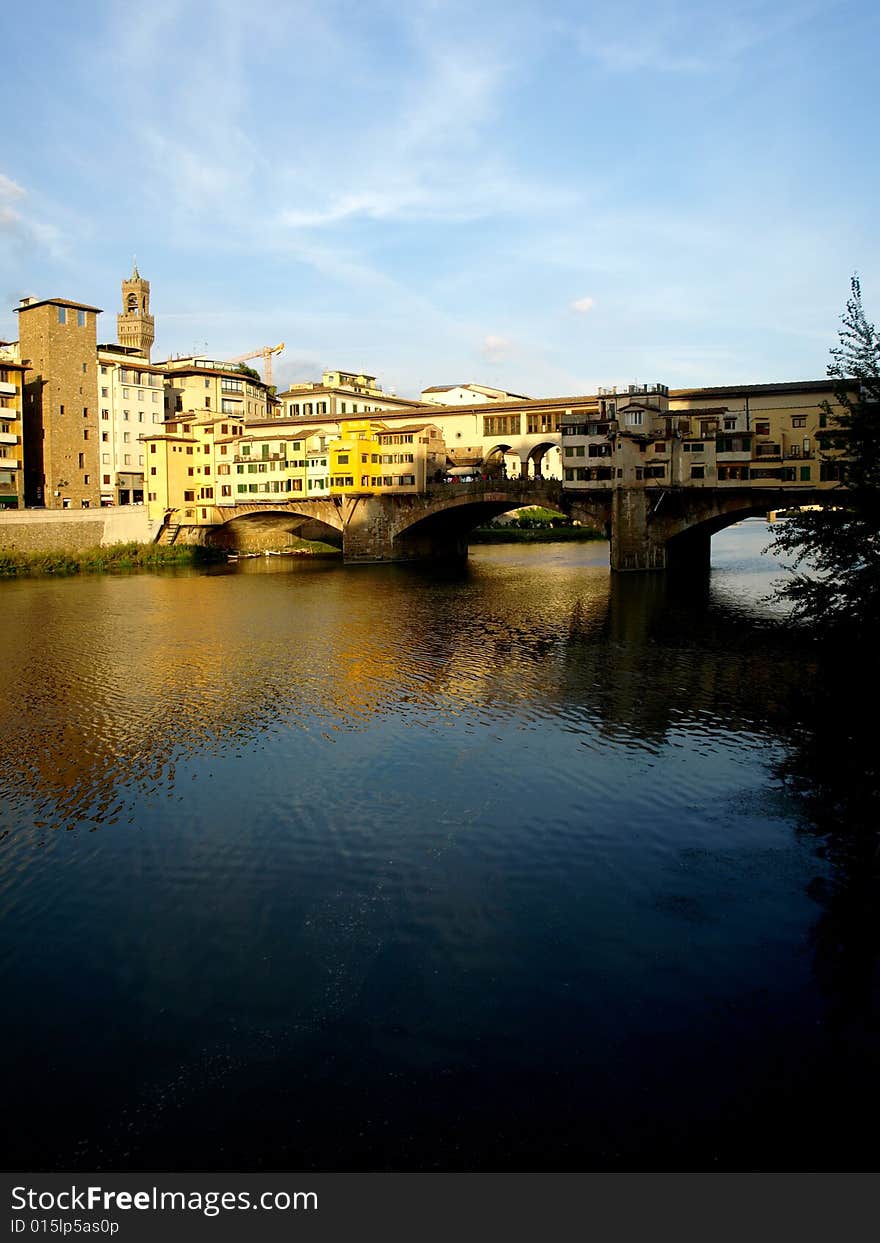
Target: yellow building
[
  {"x": 189, "y": 466},
  {"x": 11, "y": 433},
  {"x": 353, "y": 455},
  {"x": 199, "y": 467}
]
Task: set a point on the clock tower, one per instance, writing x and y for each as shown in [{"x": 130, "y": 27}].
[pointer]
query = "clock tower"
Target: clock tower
[{"x": 135, "y": 326}]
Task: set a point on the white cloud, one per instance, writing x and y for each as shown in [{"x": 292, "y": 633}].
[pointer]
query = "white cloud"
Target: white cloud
[
  {"x": 495, "y": 349},
  {"x": 582, "y": 306}
]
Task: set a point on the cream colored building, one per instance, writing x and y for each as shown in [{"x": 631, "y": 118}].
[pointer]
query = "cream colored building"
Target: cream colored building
[
  {"x": 131, "y": 405},
  {"x": 205, "y": 387},
  {"x": 466, "y": 394},
  {"x": 340, "y": 394},
  {"x": 726, "y": 436}
]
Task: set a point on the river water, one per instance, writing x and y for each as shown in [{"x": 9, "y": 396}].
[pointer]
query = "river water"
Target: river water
[{"x": 313, "y": 867}]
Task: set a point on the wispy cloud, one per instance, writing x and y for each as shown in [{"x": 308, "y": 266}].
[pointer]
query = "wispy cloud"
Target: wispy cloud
[
  {"x": 677, "y": 38},
  {"x": 23, "y": 228},
  {"x": 583, "y": 306}
]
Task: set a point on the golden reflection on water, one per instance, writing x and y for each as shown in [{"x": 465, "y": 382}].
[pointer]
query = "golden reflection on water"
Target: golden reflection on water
[{"x": 113, "y": 682}]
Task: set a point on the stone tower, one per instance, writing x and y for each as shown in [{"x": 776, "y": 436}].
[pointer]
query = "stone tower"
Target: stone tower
[
  {"x": 62, "y": 439},
  {"x": 135, "y": 326}
]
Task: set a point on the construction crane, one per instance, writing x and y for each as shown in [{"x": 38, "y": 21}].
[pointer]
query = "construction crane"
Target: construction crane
[{"x": 265, "y": 352}]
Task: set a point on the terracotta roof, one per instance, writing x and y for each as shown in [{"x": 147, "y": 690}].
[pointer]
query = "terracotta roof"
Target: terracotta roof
[{"x": 77, "y": 306}]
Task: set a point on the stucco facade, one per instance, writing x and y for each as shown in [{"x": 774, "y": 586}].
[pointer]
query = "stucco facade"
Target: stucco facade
[{"x": 12, "y": 377}]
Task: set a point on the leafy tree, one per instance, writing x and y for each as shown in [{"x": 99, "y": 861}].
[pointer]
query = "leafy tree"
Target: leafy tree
[
  {"x": 244, "y": 369},
  {"x": 835, "y": 580}
]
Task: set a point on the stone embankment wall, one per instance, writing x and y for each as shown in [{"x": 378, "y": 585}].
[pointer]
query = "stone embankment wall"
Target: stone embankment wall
[{"x": 74, "y": 530}]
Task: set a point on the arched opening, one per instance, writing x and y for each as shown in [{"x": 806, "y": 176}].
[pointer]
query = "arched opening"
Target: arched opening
[
  {"x": 544, "y": 461},
  {"x": 499, "y": 463},
  {"x": 268, "y": 530}
]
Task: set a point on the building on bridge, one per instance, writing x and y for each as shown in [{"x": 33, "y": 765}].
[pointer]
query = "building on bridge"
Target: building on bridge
[
  {"x": 764, "y": 435},
  {"x": 199, "y": 466}
]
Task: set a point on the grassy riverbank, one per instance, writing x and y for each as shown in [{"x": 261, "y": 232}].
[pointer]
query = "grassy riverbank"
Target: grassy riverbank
[
  {"x": 536, "y": 535},
  {"x": 534, "y": 525},
  {"x": 116, "y": 557}
]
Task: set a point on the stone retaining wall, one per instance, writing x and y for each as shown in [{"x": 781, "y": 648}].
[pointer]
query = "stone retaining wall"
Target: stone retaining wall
[{"x": 74, "y": 530}]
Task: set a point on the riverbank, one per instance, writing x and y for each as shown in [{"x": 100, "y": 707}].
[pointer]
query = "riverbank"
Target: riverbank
[
  {"x": 533, "y": 535},
  {"x": 115, "y": 558}
]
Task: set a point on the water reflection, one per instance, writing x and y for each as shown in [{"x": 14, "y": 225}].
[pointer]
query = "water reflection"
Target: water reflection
[{"x": 398, "y": 868}]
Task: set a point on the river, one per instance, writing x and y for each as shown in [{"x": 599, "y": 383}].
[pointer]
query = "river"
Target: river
[{"x": 306, "y": 866}]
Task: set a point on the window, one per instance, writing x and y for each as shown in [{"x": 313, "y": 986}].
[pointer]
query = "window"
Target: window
[
  {"x": 698, "y": 472},
  {"x": 105, "y": 414},
  {"x": 62, "y": 315},
  {"x": 126, "y": 460},
  {"x": 762, "y": 428},
  {"x": 126, "y": 438},
  {"x": 81, "y": 322},
  {"x": 799, "y": 421},
  {"x": 81, "y": 461},
  {"x": 105, "y": 458},
  {"x": 105, "y": 392},
  {"x": 730, "y": 425}
]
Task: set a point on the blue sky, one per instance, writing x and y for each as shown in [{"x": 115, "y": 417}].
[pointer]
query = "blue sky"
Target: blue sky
[{"x": 542, "y": 196}]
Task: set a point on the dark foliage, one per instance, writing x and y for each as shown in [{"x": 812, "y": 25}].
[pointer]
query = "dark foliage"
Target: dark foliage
[{"x": 835, "y": 582}]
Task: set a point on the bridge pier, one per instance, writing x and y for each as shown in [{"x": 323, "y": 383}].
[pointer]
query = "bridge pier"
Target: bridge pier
[
  {"x": 371, "y": 534},
  {"x": 634, "y": 543}
]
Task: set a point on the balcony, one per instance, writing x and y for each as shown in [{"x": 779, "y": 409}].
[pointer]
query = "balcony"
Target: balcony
[
  {"x": 8, "y": 438},
  {"x": 768, "y": 451},
  {"x": 9, "y": 463},
  {"x": 7, "y": 390}
]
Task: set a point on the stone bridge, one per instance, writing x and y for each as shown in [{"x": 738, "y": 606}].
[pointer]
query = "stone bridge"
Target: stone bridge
[{"x": 652, "y": 528}]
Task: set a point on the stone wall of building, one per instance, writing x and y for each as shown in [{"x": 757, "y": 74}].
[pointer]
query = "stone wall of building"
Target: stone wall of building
[
  {"x": 58, "y": 342},
  {"x": 72, "y": 530}
]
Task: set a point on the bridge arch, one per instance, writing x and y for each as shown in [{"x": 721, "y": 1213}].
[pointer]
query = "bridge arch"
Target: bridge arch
[
  {"x": 272, "y": 526},
  {"x": 669, "y": 529},
  {"x": 440, "y": 526}
]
